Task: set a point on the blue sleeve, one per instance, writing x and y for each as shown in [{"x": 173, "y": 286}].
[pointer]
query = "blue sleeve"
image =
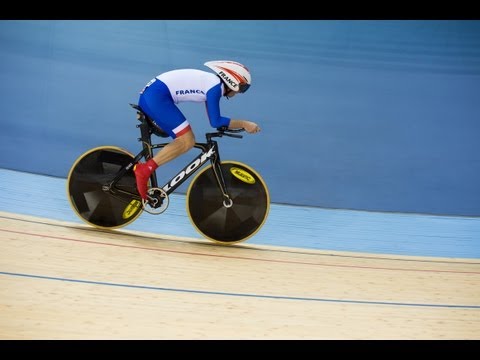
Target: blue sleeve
[{"x": 213, "y": 107}]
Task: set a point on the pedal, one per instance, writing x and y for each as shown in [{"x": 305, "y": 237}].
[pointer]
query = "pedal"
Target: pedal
[{"x": 157, "y": 201}]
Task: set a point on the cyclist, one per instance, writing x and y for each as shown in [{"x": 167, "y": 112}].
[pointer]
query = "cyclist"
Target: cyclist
[{"x": 159, "y": 97}]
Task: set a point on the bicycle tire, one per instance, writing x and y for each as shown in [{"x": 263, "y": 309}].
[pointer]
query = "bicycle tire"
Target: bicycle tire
[
  {"x": 96, "y": 207},
  {"x": 251, "y": 203}
]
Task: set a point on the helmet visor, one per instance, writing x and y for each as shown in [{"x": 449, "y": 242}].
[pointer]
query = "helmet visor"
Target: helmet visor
[{"x": 243, "y": 87}]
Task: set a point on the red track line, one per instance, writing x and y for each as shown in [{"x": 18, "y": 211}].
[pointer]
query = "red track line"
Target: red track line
[{"x": 239, "y": 257}]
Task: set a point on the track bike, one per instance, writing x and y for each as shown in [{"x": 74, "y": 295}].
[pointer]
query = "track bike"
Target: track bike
[{"x": 227, "y": 201}]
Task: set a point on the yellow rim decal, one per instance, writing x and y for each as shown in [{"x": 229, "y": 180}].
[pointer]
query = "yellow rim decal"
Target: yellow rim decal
[
  {"x": 242, "y": 175},
  {"x": 131, "y": 209}
]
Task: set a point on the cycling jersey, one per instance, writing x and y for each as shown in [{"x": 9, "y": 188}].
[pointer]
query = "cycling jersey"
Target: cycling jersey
[{"x": 159, "y": 97}]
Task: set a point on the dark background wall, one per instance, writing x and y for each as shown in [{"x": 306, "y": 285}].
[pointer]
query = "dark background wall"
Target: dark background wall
[{"x": 375, "y": 115}]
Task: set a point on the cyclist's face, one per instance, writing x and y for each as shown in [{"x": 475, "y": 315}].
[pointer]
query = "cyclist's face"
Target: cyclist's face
[{"x": 230, "y": 93}]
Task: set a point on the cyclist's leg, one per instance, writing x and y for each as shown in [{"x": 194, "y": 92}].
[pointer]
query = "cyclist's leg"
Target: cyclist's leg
[{"x": 157, "y": 103}]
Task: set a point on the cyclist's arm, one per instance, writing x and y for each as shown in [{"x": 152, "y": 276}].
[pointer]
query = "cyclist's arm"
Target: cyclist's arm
[
  {"x": 216, "y": 120},
  {"x": 213, "y": 107},
  {"x": 249, "y": 126}
]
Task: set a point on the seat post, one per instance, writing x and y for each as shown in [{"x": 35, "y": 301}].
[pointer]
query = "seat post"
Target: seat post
[{"x": 145, "y": 134}]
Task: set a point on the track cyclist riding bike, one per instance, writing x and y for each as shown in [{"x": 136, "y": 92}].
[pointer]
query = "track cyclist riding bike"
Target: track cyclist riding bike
[{"x": 159, "y": 97}]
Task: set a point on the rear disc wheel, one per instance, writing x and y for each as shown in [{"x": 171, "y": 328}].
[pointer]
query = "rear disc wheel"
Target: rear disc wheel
[{"x": 91, "y": 203}]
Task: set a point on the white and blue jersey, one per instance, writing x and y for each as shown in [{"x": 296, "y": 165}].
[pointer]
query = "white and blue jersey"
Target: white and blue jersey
[{"x": 159, "y": 97}]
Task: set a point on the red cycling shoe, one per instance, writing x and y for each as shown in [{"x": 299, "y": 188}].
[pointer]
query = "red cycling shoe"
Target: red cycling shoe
[{"x": 142, "y": 173}]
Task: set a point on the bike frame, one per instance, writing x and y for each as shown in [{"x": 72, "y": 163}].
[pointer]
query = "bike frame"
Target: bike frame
[{"x": 209, "y": 151}]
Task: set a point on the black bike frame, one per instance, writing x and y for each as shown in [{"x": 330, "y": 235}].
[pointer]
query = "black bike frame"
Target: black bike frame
[{"x": 209, "y": 151}]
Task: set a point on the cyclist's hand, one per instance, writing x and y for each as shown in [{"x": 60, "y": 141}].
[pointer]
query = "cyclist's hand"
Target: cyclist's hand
[{"x": 251, "y": 127}]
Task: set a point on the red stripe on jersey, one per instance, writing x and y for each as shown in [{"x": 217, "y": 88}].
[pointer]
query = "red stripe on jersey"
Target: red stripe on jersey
[{"x": 184, "y": 130}]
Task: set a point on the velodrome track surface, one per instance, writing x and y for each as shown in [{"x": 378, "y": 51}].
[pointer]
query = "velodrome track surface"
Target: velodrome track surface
[{"x": 61, "y": 279}]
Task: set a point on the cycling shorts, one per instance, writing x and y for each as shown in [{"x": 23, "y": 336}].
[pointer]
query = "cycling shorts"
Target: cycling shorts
[{"x": 156, "y": 101}]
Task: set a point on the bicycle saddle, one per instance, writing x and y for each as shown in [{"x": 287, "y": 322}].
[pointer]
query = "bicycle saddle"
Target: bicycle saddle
[{"x": 155, "y": 129}]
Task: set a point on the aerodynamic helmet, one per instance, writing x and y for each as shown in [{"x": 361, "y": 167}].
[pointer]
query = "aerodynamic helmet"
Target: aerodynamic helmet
[{"x": 233, "y": 74}]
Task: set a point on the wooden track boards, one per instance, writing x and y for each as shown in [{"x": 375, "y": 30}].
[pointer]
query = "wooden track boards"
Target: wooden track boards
[{"x": 62, "y": 280}]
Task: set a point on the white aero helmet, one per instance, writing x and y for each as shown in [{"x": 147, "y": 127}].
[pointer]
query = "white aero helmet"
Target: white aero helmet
[{"x": 234, "y": 75}]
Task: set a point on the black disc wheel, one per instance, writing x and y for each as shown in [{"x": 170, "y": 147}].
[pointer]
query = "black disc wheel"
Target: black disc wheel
[
  {"x": 103, "y": 209},
  {"x": 222, "y": 221}
]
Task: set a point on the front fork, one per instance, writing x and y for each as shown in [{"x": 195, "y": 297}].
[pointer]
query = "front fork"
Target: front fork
[{"x": 217, "y": 170}]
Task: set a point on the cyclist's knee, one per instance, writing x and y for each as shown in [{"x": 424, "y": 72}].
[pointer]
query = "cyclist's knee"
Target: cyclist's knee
[{"x": 187, "y": 140}]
